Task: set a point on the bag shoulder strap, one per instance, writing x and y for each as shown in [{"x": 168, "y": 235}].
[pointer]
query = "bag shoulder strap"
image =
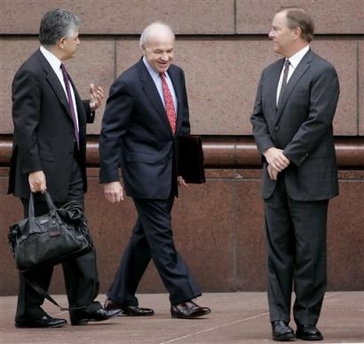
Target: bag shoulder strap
[{"x": 46, "y": 295}]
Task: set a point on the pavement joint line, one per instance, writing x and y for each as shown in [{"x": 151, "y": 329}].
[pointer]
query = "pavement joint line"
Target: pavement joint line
[
  {"x": 215, "y": 328},
  {"x": 327, "y": 296}
]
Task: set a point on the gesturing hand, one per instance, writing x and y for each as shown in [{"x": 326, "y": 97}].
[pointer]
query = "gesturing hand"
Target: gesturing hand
[{"x": 96, "y": 96}]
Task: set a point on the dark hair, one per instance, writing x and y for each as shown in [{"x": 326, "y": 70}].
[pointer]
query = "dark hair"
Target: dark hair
[
  {"x": 298, "y": 17},
  {"x": 56, "y": 24}
]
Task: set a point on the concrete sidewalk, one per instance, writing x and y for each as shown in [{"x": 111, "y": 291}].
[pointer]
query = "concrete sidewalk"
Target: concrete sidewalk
[{"x": 240, "y": 317}]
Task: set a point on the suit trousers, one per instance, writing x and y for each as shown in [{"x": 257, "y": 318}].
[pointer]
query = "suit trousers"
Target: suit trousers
[
  {"x": 80, "y": 274},
  {"x": 296, "y": 242},
  {"x": 152, "y": 238}
]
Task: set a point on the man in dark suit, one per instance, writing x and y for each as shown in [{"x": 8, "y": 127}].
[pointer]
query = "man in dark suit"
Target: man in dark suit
[
  {"x": 49, "y": 153},
  {"x": 292, "y": 126},
  {"x": 146, "y": 112}
]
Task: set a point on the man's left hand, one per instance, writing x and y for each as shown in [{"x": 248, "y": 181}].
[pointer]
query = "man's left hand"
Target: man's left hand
[
  {"x": 181, "y": 182},
  {"x": 96, "y": 97}
]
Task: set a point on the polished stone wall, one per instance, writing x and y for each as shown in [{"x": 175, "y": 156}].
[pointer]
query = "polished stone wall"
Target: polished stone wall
[
  {"x": 222, "y": 45},
  {"x": 218, "y": 228}
]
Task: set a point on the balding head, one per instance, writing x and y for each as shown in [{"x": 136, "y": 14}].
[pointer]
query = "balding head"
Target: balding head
[
  {"x": 157, "y": 45},
  {"x": 156, "y": 30}
]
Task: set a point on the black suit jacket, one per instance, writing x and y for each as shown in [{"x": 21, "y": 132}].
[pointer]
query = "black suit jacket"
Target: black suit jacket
[
  {"x": 301, "y": 126},
  {"x": 43, "y": 129},
  {"x": 136, "y": 133}
]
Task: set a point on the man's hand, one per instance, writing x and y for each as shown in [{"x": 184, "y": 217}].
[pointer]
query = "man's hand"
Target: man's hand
[
  {"x": 37, "y": 182},
  {"x": 113, "y": 192},
  {"x": 276, "y": 159},
  {"x": 96, "y": 97},
  {"x": 181, "y": 182},
  {"x": 273, "y": 174}
]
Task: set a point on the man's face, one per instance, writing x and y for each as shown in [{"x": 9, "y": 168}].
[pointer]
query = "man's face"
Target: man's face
[
  {"x": 281, "y": 35},
  {"x": 69, "y": 45},
  {"x": 159, "y": 50}
]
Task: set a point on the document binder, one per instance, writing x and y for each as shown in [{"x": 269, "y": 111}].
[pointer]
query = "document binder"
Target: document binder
[{"x": 191, "y": 160}]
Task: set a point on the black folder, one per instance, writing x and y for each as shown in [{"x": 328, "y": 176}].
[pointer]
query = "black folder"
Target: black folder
[{"x": 191, "y": 160}]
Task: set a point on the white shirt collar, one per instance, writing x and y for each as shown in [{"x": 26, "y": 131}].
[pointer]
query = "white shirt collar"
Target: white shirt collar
[
  {"x": 53, "y": 60},
  {"x": 296, "y": 58},
  {"x": 154, "y": 74}
]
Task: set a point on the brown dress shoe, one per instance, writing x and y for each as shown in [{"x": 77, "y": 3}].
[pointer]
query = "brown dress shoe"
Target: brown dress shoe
[
  {"x": 132, "y": 311},
  {"x": 188, "y": 310}
]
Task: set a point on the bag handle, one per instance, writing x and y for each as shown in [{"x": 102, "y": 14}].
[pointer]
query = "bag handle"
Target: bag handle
[
  {"x": 31, "y": 206},
  {"x": 52, "y": 208}
]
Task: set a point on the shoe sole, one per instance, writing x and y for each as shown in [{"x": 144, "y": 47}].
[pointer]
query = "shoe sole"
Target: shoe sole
[
  {"x": 193, "y": 316},
  {"x": 285, "y": 337},
  {"x": 36, "y": 326},
  {"x": 134, "y": 315},
  {"x": 308, "y": 338}
]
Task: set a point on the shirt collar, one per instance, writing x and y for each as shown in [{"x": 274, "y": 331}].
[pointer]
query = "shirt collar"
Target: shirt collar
[
  {"x": 296, "y": 58},
  {"x": 53, "y": 60},
  {"x": 154, "y": 74}
]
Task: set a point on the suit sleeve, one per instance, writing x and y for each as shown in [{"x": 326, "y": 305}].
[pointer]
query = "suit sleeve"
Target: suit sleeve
[
  {"x": 90, "y": 115},
  {"x": 185, "y": 127},
  {"x": 324, "y": 94},
  {"x": 26, "y": 96},
  {"x": 260, "y": 127},
  {"x": 118, "y": 109}
]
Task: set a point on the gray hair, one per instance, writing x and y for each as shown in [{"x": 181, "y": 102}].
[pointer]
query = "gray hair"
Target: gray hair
[
  {"x": 56, "y": 24},
  {"x": 149, "y": 30}
]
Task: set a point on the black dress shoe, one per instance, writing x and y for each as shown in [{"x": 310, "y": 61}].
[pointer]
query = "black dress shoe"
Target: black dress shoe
[
  {"x": 188, "y": 310},
  {"x": 45, "y": 321},
  {"x": 133, "y": 311},
  {"x": 83, "y": 317},
  {"x": 281, "y": 331},
  {"x": 309, "y": 332}
]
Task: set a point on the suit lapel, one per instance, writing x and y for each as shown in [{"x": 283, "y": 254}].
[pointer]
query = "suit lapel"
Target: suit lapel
[
  {"x": 296, "y": 76},
  {"x": 273, "y": 84},
  {"x": 152, "y": 94},
  {"x": 179, "y": 93},
  {"x": 55, "y": 84}
]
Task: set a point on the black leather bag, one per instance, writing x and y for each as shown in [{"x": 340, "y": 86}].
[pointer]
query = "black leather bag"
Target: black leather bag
[{"x": 52, "y": 238}]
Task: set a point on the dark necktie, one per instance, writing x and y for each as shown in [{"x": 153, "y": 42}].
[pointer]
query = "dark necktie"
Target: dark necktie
[
  {"x": 70, "y": 103},
  {"x": 168, "y": 103},
  {"x": 284, "y": 80}
]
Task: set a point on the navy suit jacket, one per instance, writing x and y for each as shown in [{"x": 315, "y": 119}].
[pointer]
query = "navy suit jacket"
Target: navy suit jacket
[
  {"x": 301, "y": 126},
  {"x": 137, "y": 136},
  {"x": 43, "y": 129}
]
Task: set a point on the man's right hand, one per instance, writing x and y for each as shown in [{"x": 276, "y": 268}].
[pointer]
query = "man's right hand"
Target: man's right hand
[
  {"x": 37, "y": 182},
  {"x": 113, "y": 192},
  {"x": 276, "y": 159}
]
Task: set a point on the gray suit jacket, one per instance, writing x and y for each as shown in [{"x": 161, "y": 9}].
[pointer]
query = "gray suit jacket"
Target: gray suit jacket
[{"x": 301, "y": 126}]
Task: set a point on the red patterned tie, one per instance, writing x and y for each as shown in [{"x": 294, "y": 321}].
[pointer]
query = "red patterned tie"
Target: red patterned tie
[
  {"x": 70, "y": 103},
  {"x": 168, "y": 102}
]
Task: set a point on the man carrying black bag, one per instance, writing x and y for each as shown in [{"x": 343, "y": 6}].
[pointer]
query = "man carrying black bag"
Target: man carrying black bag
[{"x": 49, "y": 154}]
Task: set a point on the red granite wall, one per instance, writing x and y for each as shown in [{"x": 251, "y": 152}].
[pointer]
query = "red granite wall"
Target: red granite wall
[{"x": 222, "y": 46}]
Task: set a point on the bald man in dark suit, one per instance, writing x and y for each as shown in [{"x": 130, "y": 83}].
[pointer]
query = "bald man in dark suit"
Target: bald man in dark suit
[{"x": 140, "y": 129}]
